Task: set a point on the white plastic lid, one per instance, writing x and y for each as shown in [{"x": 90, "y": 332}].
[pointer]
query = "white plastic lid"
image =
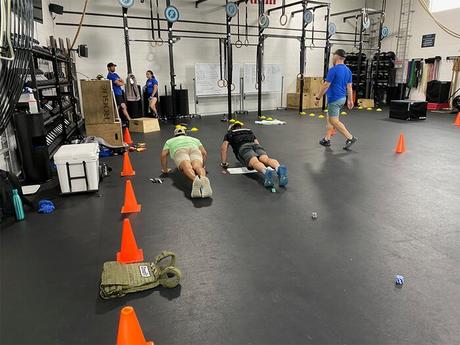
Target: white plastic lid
[{"x": 77, "y": 153}]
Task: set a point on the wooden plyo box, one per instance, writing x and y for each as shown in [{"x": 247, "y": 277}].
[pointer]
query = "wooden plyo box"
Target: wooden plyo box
[
  {"x": 308, "y": 101},
  {"x": 98, "y": 101},
  {"x": 311, "y": 84},
  {"x": 366, "y": 103},
  {"x": 110, "y": 132},
  {"x": 144, "y": 125}
]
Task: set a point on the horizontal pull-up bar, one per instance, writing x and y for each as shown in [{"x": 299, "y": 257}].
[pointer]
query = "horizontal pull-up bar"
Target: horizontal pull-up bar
[
  {"x": 309, "y": 8},
  {"x": 360, "y": 14},
  {"x": 195, "y": 22},
  {"x": 356, "y": 10},
  {"x": 220, "y": 34},
  {"x": 286, "y": 6}
]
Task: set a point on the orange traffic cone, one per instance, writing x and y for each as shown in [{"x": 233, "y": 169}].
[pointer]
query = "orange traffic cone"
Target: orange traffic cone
[
  {"x": 400, "y": 147},
  {"x": 457, "y": 120},
  {"x": 127, "y": 136},
  {"x": 129, "y": 330},
  {"x": 130, "y": 205},
  {"x": 129, "y": 252},
  {"x": 127, "y": 167}
]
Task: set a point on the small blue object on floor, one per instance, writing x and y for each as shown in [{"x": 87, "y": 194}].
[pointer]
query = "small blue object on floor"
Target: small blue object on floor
[
  {"x": 45, "y": 206},
  {"x": 399, "y": 280}
]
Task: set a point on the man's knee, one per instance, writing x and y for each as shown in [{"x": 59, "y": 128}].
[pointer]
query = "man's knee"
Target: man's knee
[
  {"x": 123, "y": 106},
  {"x": 334, "y": 121}
]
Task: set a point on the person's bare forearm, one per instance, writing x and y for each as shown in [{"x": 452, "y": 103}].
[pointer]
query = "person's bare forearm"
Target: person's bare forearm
[
  {"x": 350, "y": 92},
  {"x": 164, "y": 162},
  {"x": 223, "y": 154},
  {"x": 322, "y": 90}
]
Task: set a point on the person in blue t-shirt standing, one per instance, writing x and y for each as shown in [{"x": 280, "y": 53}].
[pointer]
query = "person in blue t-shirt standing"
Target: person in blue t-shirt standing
[
  {"x": 337, "y": 86},
  {"x": 117, "y": 86},
  {"x": 151, "y": 90}
]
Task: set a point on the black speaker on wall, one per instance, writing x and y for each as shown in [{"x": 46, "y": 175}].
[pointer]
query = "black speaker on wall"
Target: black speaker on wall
[{"x": 437, "y": 91}]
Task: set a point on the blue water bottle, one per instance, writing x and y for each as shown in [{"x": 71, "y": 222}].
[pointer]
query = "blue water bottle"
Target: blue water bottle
[{"x": 17, "y": 202}]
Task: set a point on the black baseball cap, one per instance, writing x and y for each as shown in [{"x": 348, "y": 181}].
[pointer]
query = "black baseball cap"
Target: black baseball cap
[
  {"x": 340, "y": 52},
  {"x": 111, "y": 64}
]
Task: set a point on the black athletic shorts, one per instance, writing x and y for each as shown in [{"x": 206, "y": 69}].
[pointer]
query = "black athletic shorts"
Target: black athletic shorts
[
  {"x": 120, "y": 99},
  {"x": 249, "y": 150}
]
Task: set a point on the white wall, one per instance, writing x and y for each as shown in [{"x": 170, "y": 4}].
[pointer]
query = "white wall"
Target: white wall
[
  {"x": 107, "y": 45},
  {"x": 43, "y": 31},
  {"x": 445, "y": 45}
]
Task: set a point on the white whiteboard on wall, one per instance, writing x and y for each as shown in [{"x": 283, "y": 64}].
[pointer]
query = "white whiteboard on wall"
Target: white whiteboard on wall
[
  {"x": 273, "y": 75},
  {"x": 207, "y": 75}
]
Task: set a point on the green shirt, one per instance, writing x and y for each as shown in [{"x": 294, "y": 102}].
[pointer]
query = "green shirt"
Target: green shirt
[{"x": 180, "y": 142}]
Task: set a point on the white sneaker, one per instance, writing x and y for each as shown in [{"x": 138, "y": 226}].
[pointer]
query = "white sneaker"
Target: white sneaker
[
  {"x": 196, "y": 188},
  {"x": 206, "y": 190}
]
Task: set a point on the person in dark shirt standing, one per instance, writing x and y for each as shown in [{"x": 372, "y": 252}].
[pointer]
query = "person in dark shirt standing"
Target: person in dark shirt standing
[
  {"x": 151, "y": 90},
  {"x": 117, "y": 86},
  {"x": 337, "y": 86},
  {"x": 251, "y": 154}
]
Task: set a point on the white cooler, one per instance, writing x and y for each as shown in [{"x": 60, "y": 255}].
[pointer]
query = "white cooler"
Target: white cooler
[{"x": 78, "y": 167}]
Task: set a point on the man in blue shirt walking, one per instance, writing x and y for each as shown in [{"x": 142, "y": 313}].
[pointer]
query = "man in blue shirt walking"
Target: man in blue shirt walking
[
  {"x": 337, "y": 86},
  {"x": 117, "y": 84}
]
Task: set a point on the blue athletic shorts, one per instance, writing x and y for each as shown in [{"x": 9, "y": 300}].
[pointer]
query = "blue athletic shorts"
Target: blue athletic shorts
[{"x": 333, "y": 108}]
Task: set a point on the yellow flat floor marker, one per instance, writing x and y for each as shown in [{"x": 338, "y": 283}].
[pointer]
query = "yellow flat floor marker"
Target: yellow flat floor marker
[
  {"x": 232, "y": 121},
  {"x": 360, "y": 108},
  {"x": 321, "y": 116},
  {"x": 302, "y": 113},
  {"x": 312, "y": 114},
  {"x": 326, "y": 111},
  {"x": 378, "y": 109},
  {"x": 269, "y": 119},
  {"x": 369, "y": 108},
  {"x": 343, "y": 113},
  {"x": 194, "y": 129},
  {"x": 262, "y": 117}
]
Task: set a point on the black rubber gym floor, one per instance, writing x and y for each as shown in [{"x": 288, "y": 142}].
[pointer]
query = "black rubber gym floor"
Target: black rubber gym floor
[{"x": 257, "y": 269}]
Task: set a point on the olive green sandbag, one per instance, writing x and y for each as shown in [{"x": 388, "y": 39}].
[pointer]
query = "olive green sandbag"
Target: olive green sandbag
[{"x": 119, "y": 279}]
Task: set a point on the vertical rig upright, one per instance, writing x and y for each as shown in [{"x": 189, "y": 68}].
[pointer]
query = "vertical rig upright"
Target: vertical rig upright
[
  {"x": 228, "y": 46},
  {"x": 259, "y": 63},
  {"x": 126, "y": 35},
  {"x": 172, "y": 74},
  {"x": 302, "y": 55},
  {"x": 327, "y": 51}
]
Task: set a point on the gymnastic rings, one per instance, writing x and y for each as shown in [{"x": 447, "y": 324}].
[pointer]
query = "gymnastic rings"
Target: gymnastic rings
[
  {"x": 232, "y": 87},
  {"x": 264, "y": 21},
  {"x": 246, "y": 42},
  {"x": 222, "y": 83},
  {"x": 153, "y": 44},
  {"x": 283, "y": 20},
  {"x": 159, "y": 42},
  {"x": 238, "y": 44}
]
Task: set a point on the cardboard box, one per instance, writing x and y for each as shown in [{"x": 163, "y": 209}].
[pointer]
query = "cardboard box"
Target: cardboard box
[
  {"x": 98, "y": 102},
  {"x": 110, "y": 132},
  {"x": 144, "y": 125},
  {"x": 366, "y": 103},
  {"x": 308, "y": 101},
  {"x": 311, "y": 84}
]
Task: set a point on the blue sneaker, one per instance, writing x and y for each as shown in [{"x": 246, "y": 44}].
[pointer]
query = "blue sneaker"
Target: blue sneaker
[
  {"x": 269, "y": 178},
  {"x": 282, "y": 175}
]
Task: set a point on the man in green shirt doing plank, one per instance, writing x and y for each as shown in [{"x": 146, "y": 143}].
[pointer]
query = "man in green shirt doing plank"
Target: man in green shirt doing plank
[{"x": 189, "y": 155}]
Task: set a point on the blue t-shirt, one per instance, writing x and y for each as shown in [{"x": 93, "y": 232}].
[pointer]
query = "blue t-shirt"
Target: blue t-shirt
[
  {"x": 339, "y": 76},
  {"x": 149, "y": 84},
  {"x": 117, "y": 90}
]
